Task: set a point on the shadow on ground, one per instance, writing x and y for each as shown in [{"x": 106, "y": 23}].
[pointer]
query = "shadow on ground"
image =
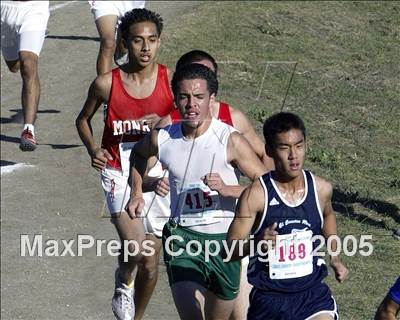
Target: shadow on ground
[
  {"x": 4, "y": 163},
  {"x": 18, "y": 116},
  {"x": 73, "y": 38},
  {"x": 343, "y": 202},
  {"x": 54, "y": 146}
]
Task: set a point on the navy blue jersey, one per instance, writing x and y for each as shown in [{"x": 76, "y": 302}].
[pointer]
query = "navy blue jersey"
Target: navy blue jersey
[
  {"x": 394, "y": 292},
  {"x": 291, "y": 218}
]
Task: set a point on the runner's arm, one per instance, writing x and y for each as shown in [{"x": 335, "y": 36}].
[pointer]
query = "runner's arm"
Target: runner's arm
[
  {"x": 140, "y": 154},
  {"x": 98, "y": 93},
  {"x": 249, "y": 204},
  {"x": 329, "y": 229},
  {"x": 242, "y": 123},
  {"x": 241, "y": 153}
]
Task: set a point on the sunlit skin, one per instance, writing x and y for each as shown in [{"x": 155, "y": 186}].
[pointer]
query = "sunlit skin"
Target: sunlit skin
[
  {"x": 139, "y": 78},
  {"x": 142, "y": 43},
  {"x": 194, "y": 103},
  {"x": 289, "y": 154}
]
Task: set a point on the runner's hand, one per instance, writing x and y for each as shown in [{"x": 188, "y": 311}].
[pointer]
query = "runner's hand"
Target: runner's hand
[
  {"x": 215, "y": 183},
  {"x": 134, "y": 207},
  {"x": 151, "y": 119},
  {"x": 161, "y": 186},
  {"x": 341, "y": 272},
  {"x": 99, "y": 158},
  {"x": 269, "y": 235}
]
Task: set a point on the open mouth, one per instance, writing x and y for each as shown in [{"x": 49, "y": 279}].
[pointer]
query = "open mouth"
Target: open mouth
[
  {"x": 294, "y": 166},
  {"x": 191, "y": 115},
  {"x": 145, "y": 57}
]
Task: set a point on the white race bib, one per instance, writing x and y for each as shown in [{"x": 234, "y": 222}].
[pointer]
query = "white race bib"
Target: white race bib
[
  {"x": 292, "y": 256},
  {"x": 125, "y": 149},
  {"x": 199, "y": 205}
]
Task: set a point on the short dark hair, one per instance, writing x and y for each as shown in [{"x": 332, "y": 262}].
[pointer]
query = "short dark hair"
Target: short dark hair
[
  {"x": 195, "y": 71},
  {"x": 139, "y": 15},
  {"x": 194, "y": 56},
  {"x": 281, "y": 122}
]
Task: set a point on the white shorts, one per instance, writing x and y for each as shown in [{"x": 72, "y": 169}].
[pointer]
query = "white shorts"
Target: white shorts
[
  {"x": 156, "y": 211},
  {"x": 113, "y": 8},
  {"x": 23, "y": 27}
]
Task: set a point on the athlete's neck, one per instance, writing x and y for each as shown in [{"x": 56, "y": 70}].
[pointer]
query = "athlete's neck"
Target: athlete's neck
[
  {"x": 196, "y": 131},
  {"x": 139, "y": 73},
  {"x": 290, "y": 186},
  {"x": 215, "y": 109}
]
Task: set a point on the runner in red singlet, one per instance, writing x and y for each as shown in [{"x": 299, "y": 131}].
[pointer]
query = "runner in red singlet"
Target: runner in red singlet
[{"x": 138, "y": 95}]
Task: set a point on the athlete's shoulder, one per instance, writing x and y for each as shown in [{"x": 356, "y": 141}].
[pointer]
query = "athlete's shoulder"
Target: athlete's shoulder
[
  {"x": 164, "y": 68},
  {"x": 254, "y": 193},
  {"x": 169, "y": 72},
  {"x": 101, "y": 86},
  {"x": 323, "y": 186},
  {"x": 240, "y": 120},
  {"x": 104, "y": 80},
  {"x": 224, "y": 128}
]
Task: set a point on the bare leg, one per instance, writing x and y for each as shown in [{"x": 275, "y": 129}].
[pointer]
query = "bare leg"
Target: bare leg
[
  {"x": 120, "y": 50},
  {"x": 216, "y": 308},
  {"x": 194, "y": 302},
  {"x": 129, "y": 229},
  {"x": 242, "y": 301},
  {"x": 146, "y": 277},
  {"x": 106, "y": 28},
  {"x": 30, "y": 85},
  {"x": 189, "y": 299}
]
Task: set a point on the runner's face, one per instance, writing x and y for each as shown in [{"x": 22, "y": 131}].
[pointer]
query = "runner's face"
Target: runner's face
[
  {"x": 193, "y": 101},
  {"x": 289, "y": 153},
  {"x": 143, "y": 42}
]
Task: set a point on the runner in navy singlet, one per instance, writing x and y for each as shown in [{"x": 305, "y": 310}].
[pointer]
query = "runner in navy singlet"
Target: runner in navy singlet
[{"x": 287, "y": 207}]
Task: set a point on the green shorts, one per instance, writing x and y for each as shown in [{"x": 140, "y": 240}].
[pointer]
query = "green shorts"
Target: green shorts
[{"x": 221, "y": 278}]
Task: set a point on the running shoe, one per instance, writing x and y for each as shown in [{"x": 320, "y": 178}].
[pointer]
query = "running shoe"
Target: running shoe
[
  {"x": 123, "y": 305},
  {"x": 28, "y": 141}
]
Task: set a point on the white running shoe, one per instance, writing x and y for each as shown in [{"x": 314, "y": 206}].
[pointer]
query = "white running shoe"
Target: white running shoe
[{"x": 123, "y": 305}]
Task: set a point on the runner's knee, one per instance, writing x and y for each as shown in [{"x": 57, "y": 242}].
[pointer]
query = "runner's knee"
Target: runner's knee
[
  {"x": 149, "y": 266},
  {"x": 28, "y": 62}
]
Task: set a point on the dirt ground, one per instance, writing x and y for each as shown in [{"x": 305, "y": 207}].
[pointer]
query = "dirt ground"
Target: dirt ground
[{"x": 60, "y": 197}]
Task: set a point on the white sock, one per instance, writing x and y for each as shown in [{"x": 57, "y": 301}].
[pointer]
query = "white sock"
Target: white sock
[{"x": 30, "y": 127}]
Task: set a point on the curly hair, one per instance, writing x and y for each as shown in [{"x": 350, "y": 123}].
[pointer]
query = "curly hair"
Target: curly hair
[
  {"x": 195, "y": 71},
  {"x": 137, "y": 16}
]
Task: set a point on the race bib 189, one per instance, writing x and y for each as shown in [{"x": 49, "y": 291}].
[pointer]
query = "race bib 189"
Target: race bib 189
[{"x": 292, "y": 256}]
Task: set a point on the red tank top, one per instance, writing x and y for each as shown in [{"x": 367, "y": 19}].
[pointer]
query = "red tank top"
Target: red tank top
[
  {"x": 224, "y": 114},
  {"x": 124, "y": 110}
]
